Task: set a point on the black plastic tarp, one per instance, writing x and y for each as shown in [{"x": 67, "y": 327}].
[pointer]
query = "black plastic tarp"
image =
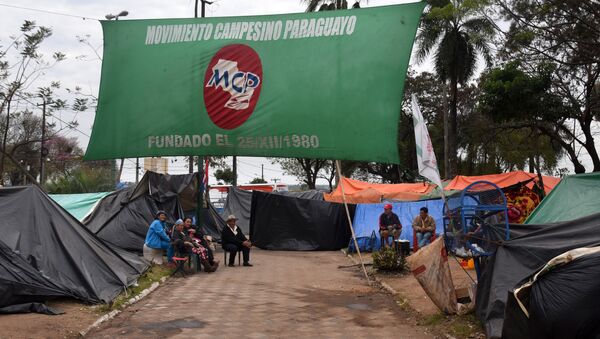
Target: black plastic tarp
[
  {"x": 281, "y": 222},
  {"x": 239, "y": 203},
  {"x": 61, "y": 249},
  {"x": 561, "y": 302},
  {"x": 21, "y": 285},
  {"x": 213, "y": 223},
  {"x": 518, "y": 258},
  {"x": 122, "y": 218}
]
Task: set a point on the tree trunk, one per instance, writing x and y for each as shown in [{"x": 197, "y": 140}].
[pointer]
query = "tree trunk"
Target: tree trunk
[
  {"x": 590, "y": 146},
  {"x": 4, "y": 138},
  {"x": 446, "y": 129},
  {"x": 452, "y": 130}
]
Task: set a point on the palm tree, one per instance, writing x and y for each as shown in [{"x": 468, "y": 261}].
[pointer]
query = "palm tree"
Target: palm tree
[
  {"x": 457, "y": 33},
  {"x": 328, "y": 5}
]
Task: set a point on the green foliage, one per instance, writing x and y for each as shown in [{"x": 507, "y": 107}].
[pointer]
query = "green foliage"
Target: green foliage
[
  {"x": 258, "y": 181},
  {"x": 387, "y": 259},
  {"x": 226, "y": 175},
  {"x": 86, "y": 178}
]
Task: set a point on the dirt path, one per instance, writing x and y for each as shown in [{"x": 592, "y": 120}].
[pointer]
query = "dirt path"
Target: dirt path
[
  {"x": 286, "y": 294},
  {"x": 77, "y": 317}
]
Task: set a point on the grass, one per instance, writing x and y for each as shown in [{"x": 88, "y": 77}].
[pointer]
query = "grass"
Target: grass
[
  {"x": 457, "y": 326},
  {"x": 152, "y": 275}
]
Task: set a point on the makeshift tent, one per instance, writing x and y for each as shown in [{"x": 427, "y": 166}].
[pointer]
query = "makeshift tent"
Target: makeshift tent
[
  {"x": 63, "y": 251},
  {"x": 503, "y": 180},
  {"x": 213, "y": 223},
  {"x": 358, "y": 192},
  {"x": 281, "y": 222},
  {"x": 366, "y": 218},
  {"x": 560, "y": 300},
  {"x": 22, "y": 286},
  {"x": 574, "y": 197},
  {"x": 530, "y": 248},
  {"x": 79, "y": 205},
  {"x": 239, "y": 203},
  {"x": 122, "y": 217}
]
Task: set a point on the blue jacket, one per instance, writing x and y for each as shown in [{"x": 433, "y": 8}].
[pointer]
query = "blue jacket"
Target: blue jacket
[{"x": 156, "y": 234}]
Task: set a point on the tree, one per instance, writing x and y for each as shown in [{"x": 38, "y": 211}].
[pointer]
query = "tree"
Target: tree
[
  {"x": 458, "y": 33},
  {"x": 224, "y": 174},
  {"x": 258, "y": 181},
  {"x": 22, "y": 65},
  {"x": 518, "y": 102},
  {"x": 306, "y": 170},
  {"x": 562, "y": 34},
  {"x": 88, "y": 177},
  {"x": 328, "y": 5}
]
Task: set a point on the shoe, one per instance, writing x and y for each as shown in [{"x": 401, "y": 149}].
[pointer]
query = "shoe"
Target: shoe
[
  {"x": 247, "y": 264},
  {"x": 231, "y": 265}
]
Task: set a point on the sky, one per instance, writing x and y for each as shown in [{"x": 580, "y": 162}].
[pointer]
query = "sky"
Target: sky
[{"x": 82, "y": 66}]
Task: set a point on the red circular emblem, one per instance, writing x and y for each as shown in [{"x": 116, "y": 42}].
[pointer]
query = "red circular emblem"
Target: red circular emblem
[{"x": 232, "y": 85}]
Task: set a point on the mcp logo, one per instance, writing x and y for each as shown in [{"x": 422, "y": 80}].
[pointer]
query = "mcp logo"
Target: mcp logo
[{"x": 232, "y": 85}]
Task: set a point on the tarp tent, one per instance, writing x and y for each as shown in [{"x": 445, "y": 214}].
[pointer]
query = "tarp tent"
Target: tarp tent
[
  {"x": 360, "y": 192},
  {"x": 559, "y": 301},
  {"x": 366, "y": 217},
  {"x": 62, "y": 250},
  {"x": 239, "y": 203},
  {"x": 574, "y": 197},
  {"x": 213, "y": 223},
  {"x": 122, "y": 217},
  {"x": 530, "y": 248},
  {"x": 22, "y": 286},
  {"x": 281, "y": 222},
  {"x": 79, "y": 205},
  {"x": 503, "y": 180}
]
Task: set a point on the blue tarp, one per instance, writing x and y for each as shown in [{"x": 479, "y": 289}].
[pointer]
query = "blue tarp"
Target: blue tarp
[{"x": 366, "y": 218}]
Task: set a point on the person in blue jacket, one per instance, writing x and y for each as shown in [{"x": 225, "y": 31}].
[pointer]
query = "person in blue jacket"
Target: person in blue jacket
[{"x": 156, "y": 237}]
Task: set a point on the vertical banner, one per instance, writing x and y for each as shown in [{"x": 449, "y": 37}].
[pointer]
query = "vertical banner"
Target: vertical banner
[
  {"x": 425, "y": 155},
  {"x": 312, "y": 85}
]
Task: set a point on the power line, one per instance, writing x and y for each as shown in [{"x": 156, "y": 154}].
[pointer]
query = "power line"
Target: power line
[{"x": 49, "y": 12}]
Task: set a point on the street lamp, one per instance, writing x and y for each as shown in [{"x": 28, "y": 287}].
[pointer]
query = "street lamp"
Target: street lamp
[{"x": 116, "y": 17}]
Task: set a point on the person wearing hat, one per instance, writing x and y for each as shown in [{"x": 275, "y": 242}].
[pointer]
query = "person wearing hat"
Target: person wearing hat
[
  {"x": 389, "y": 223},
  {"x": 234, "y": 240},
  {"x": 157, "y": 239}
]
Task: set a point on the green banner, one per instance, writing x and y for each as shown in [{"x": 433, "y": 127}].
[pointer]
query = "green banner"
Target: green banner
[{"x": 313, "y": 85}]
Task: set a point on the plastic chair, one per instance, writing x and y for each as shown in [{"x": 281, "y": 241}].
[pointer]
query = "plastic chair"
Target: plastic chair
[{"x": 416, "y": 243}]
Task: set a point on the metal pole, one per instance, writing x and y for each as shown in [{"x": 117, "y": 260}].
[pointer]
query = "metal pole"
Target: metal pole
[
  {"x": 200, "y": 195},
  {"x": 42, "y": 155},
  {"x": 191, "y": 164},
  {"x": 137, "y": 170},
  {"x": 262, "y": 172},
  {"x": 234, "y": 165}
]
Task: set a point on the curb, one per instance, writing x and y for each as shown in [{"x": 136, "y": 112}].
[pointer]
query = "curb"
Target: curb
[
  {"x": 129, "y": 302},
  {"x": 374, "y": 277}
]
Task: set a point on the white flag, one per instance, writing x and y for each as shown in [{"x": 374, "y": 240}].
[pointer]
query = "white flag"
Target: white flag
[{"x": 425, "y": 156}]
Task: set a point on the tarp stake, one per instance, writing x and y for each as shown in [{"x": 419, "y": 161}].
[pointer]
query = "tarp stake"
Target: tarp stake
[{"x": 338, "y": 165}]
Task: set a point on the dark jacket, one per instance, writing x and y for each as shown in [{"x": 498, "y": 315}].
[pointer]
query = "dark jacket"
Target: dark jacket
[
  {"x": 227, "y": 236},
  {"x": 391, "y": 219}
]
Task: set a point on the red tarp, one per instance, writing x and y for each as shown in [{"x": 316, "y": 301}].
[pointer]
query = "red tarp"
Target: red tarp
[
  {"x": 503, "y": 180},
  {"x": 363, "y": 192}
]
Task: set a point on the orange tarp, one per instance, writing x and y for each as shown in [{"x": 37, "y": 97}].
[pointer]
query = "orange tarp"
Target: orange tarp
[
  {"x": 363, "y": 192},
  {"x": 503, "y": 180}
]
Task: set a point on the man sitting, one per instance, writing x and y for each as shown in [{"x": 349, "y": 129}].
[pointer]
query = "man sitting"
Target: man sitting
[
  {"x": 424, "y": 226},
  {"x": 234, "y": 240},
  {"x": 156, "y": 239},
  {"x": 389, "y": 223}
]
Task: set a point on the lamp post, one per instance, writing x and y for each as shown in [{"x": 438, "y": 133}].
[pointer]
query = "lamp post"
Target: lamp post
[{"x": 116, "y": 17}]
